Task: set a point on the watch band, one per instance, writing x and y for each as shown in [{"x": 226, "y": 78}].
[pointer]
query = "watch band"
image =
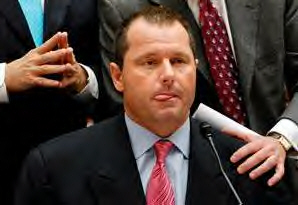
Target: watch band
[{"x": 281, "y": 139}]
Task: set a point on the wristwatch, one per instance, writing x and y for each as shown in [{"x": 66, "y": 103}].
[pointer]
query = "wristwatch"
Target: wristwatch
[{"x": 281, "y": 139}]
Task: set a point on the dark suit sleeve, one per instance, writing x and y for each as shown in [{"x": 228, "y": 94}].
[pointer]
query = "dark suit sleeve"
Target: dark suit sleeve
[
  {"x": 33, "y": 187},
  {"x": 110, "y": 19},
  {"x": 82, "y": 23},
  {"x": 291, "y": 60}
]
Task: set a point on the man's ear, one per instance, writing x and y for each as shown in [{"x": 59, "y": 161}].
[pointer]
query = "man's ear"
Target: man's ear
[
  {"x": 197, "y": 63},
  {"x": 116, "y": 74}
]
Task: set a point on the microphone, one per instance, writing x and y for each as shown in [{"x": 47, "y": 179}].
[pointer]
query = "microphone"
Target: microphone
[{"x": 206, "y": 132}]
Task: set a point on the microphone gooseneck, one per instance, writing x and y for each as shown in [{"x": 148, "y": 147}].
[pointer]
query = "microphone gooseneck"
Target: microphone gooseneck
[{"x": 206, "y": 132}]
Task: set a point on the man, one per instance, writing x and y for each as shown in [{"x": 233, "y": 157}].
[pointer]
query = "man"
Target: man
[
  {"x": 260, "y": 77},
  {"x": 114, "y": 162},
  {"x": 44, "y": 90}
]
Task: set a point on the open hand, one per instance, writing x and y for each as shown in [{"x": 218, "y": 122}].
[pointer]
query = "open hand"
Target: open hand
[{"x": 263, "y": 154}]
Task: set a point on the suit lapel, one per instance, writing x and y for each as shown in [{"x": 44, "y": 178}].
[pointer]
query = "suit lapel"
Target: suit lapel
[
  {"x": 243, "y": 19},
  {"x": 54, "y": 16},
  {"x": 12, "y": 11},
  {"x": 206, "y": 184},
  {"x": 117, "y": 181}
]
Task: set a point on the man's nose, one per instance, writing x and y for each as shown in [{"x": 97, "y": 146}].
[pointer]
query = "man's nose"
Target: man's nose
[{"x": 167, "y": 72}]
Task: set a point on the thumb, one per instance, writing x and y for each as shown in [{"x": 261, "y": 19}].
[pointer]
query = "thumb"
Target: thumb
[{"x": 247, "y": 137}]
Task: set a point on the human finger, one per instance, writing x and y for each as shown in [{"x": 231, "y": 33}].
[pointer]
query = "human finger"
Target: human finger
[
  {"x": 279, "y": 173},
  {"x": 267, "y": 165},
  {"x": 50, "y": 69},
  {"x": 70, "y": 58},
  {"x": 49, "y": 45},
  {"x": 63, "y": 40},
  {"x": 45, "y": 82},
  {"x": 256, "y": 159},
  {"x": 247, "y": 137},
  {"x": 63, "y": 43},
  {"x": 276, "y": 156},
  {"x": 68, "y": 82},
  {"x": 52, "y": 57},
  {"x": 245, "y": 150}
]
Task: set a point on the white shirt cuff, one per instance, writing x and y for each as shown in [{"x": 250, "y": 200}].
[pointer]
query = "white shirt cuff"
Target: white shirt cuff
[
  {"x": 288, "y": 129},
  {"x": 91, "y": 89},
  {"x": 3, "y": 92}
]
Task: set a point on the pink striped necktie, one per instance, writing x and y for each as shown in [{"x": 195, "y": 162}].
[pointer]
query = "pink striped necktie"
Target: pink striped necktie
[{"x": 159, "y": 188}]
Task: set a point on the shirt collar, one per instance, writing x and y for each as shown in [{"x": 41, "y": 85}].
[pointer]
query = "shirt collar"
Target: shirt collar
[{"x": 142, "y": 139}]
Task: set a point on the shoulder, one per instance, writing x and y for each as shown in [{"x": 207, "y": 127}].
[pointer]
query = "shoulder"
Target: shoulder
[
  {"x": 83, "y": 142},
  {"x": 251, "y": 191}
]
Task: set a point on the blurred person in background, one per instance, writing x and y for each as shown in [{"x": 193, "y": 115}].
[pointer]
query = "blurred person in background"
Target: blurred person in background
[{"x": 49, "y": 77}]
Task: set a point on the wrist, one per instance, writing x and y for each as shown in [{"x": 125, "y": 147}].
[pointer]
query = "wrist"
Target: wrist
[{"x": 83, "y": 79}]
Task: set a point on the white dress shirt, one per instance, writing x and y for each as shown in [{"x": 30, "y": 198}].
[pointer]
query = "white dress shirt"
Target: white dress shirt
[
  {"x": 91, "y": 89},
  {"x": 286, "y": 127}
]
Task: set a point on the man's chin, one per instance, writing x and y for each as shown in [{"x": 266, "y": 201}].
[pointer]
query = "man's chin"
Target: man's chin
[{"x": 169, "y": 114}]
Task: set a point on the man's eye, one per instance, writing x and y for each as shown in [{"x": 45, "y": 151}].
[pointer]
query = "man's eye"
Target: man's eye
[
  {"x": 177, "y": 61},
  {"x": 150, "y": 62}
]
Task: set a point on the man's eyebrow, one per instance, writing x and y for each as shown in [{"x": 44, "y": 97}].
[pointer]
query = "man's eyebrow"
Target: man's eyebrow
[
  {"x": 145, "y": 55},
  {"x": 181, "y": 54}
]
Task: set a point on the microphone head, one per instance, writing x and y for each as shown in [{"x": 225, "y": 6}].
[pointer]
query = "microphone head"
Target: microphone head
[{"x": 206, "y": 129}]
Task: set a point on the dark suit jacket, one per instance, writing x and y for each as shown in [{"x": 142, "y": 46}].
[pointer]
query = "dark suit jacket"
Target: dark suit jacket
[
  {"x": 97, "y": 166},
  {"x": 36, "y": 115},
  {"x": 264, "y": 36}
]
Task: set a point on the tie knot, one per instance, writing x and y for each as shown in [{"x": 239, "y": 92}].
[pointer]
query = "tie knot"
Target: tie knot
[{"x": 162, "y": 149}]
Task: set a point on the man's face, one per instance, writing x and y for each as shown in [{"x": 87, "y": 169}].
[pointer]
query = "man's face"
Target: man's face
[{"x": 158, "y": 74}]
